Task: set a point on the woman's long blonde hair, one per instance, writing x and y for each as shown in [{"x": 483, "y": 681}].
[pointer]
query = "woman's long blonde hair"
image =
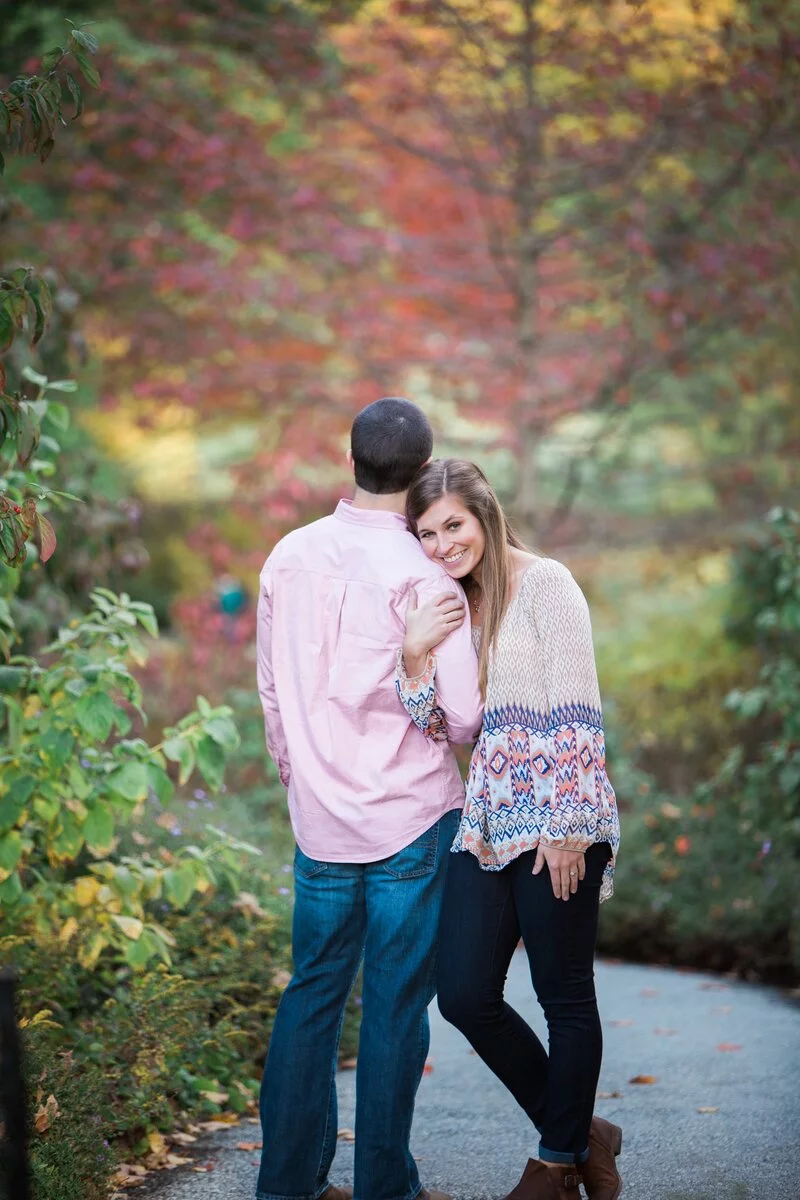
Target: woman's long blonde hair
[{"x": 467, "y": 482}]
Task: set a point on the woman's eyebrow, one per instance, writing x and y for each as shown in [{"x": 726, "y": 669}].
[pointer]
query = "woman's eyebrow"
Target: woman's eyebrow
[{"x": 427, "y": 529}]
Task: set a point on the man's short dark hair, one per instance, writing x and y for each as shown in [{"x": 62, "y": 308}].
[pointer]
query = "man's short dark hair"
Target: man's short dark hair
[{"x": 390, "y": 440}]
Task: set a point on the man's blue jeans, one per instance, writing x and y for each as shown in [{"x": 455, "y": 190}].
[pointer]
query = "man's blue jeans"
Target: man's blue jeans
[{"x": 388, "y": 913}]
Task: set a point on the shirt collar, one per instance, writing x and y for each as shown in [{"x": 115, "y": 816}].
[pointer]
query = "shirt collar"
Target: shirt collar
[{"x": 374, "y": 518}]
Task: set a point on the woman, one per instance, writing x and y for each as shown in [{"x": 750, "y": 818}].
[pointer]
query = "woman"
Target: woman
[{"x": 537, "y": 796}]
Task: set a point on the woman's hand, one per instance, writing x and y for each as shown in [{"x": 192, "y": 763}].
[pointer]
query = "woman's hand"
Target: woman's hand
[
  {"x": 429, "y": 625},
  {"x": 566, "y": 867}
]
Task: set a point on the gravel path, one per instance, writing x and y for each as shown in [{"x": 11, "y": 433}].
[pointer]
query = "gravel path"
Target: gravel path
[{"x": 730, "y": 1048}]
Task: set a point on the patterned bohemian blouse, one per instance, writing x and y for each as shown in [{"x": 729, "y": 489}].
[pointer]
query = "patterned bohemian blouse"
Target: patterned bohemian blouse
[{"x": 538, "y": 769}]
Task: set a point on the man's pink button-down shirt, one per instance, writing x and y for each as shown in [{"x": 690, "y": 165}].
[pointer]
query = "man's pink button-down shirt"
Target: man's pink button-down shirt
[{"x": 363, "y": 781}]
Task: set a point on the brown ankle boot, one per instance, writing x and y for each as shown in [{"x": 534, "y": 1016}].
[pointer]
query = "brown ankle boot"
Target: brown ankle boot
[
  {"x": 543, "y": 1181},
  {"x": 600, "y": 1175},
  {"x": 337, "y": 1193}
]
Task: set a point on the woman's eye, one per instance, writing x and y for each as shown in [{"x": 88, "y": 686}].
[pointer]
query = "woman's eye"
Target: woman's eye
[{"x": 453, "y": 526}]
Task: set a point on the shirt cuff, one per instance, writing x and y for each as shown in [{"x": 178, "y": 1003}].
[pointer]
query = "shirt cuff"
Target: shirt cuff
[{"x": 416, "y": 683}]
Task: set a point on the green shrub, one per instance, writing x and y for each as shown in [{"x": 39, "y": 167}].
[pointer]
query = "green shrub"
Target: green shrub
[
  {"x": 70, "y": 1155},
  {"x": 712, "y": 880}
]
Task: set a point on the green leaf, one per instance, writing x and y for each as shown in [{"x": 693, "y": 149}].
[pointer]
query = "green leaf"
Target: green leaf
[
  {"x": 87, "y": 40},
  {"x": 28, "y": 432},
  {"x": 11, "y": 890},
  {"x": 57, "y": 745},
  {"x": 62, "y": 385},
  {"x": 179, "y": 883},
  {"x": 211, "y": 762},
  {"x": 67, "y": 844},
  {"x": 180, "y": 751},
  {"x": 12, "y": 804},
  {"x": 223, "y": 731},
  {"x": 148, "y": 621},
  {"x": 51, "y": 59},
  {"x": 95, "y": 712},
  {"x": 10, "y": 850},
  {"x": 98, "y": 828},
  {"x": 12, "y": 679},
  {"x": 90, "y": 73},
  {"x": 130, "y": 781},
  {"x": 34, "y": 376},
  {"x": 45, "y": 807},
  {"x": 15, "y": 720},
  {"x": 161, "y": 783},
  {"x": 46, "y": 149},
  {"x": 139, "y": 953},
  {"x": 7, "y": 330},
  {"x": 76, "y": 93}
]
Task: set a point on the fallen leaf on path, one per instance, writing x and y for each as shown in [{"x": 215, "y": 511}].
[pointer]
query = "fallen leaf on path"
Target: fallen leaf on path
[
  {"x": 215, "y": 1097},
  {"x": 665, "y": 1032},
  {"x": 621, "y": 1024},
  {"x": 176, "y": 1160},
  {"x": 643, "y": 1079},
  {"x": 346, "y": 1135},
  {"x": 426, "y": 1070},
  {"x": 610, "y": 1095},
  {"x": 155, "y": 1141},
  {"x": 249, "y": 1146},
  {"x": 46, "y": 1114},
  {"x": 708, "y": 1110},
  {"x": 183, "y": 1139},
  {"x": 216, "y": 1123},
  {"x": 728, "y": 1047}
]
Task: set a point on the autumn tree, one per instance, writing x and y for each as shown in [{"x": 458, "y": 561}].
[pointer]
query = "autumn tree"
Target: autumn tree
[{"x": 582, "y": 196}]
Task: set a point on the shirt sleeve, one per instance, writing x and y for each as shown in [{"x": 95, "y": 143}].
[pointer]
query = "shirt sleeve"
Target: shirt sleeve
[
  {"x": 273, "y": 725},
  {"x": 445, "y": 701},
  {"x": 576, "y": 740},
  {"x": 418, "y": 696}
]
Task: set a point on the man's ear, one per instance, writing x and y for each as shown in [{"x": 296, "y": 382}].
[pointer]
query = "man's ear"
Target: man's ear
[{"x": 349, "y": 456}]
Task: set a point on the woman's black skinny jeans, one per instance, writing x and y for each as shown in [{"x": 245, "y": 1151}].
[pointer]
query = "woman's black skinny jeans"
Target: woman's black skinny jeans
[{"x": 484, "y": 915}]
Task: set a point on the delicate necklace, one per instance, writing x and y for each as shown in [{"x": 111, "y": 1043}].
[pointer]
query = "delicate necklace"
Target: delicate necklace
[{"x": 476, "y": 596}]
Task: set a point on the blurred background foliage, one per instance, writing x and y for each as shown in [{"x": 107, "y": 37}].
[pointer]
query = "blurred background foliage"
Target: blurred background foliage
[{"x": 570, "y": 232}]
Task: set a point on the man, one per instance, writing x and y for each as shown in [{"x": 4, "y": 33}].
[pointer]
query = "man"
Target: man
[{"x": 374, "y": 807}]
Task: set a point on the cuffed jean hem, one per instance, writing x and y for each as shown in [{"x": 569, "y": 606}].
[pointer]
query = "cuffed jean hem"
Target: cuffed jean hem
[
  {"x": 305, "y": 1196},
  {"x": 558, "y": 1156}
]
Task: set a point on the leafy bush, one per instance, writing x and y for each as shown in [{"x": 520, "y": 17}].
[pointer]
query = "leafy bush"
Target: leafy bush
[{"x": 712, "y": 880}]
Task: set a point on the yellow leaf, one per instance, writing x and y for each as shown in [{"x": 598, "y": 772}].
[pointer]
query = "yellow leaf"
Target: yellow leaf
[
  {"x": 68, "y": 930},
  {"x": 86, "y": 889},
  {"x": 156, "y": 1142},
  {"x": 88, "y": 955},
  {"x": 32, "y": 707},
  {"x": 132, "y": 927},
  {"x": 215, "y": 1097}
]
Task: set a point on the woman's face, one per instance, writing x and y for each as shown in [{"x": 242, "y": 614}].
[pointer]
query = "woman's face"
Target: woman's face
[{"x": 452, "y": 536}]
